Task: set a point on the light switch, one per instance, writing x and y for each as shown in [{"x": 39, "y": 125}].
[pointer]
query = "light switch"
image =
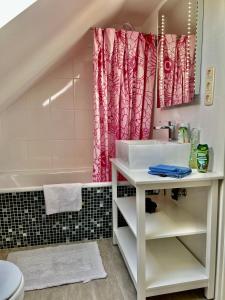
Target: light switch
[{"x": 209, "y": 89}]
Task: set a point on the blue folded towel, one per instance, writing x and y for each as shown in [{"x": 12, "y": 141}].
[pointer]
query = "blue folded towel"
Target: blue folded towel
[{"x": 169, "y": 171}]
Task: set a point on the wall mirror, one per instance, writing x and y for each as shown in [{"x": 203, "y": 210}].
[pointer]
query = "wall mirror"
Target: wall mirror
[{"x": 180, "y": 29}]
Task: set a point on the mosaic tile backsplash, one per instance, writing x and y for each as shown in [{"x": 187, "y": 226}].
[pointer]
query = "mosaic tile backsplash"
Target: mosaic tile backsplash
[{"x": 23, "y": 221}]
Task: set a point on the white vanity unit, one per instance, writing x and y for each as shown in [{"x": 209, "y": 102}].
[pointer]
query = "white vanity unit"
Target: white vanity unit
[{"x": 151, "y": 245}]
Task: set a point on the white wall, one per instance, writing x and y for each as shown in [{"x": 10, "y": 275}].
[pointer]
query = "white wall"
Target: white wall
[
  {"x": 214, "y": 119},
  {"x": 210, "y": 120},
  {"x": 50, "y": 126}
]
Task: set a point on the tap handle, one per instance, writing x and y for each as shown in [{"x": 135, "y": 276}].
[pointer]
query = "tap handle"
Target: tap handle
[{"x": 171, "y": 124}]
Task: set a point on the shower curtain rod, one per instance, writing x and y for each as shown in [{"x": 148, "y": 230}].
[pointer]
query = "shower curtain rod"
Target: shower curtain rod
[{"x": 126, "y": 26}]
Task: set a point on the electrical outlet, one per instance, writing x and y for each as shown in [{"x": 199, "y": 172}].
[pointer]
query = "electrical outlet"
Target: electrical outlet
[
  {"x": 210, "y": 73},
  {"x": 209, "y": 86},
  {"x": 209, "y": 89},
  {"x": 208, "y": 99}
]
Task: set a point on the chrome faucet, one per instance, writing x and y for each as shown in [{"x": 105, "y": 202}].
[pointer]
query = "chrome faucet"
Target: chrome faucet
[{"x": 171, "y": 127}]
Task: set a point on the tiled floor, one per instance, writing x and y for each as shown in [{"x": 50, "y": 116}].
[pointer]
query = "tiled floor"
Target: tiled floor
[{"x": 117, "y": 286}]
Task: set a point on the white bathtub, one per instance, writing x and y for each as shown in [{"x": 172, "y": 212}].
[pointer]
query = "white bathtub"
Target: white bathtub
[{"x": 34, "y": 181}]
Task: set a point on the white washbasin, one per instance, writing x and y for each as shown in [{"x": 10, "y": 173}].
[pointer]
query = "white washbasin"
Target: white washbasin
[{"x": 142, "y": 154}]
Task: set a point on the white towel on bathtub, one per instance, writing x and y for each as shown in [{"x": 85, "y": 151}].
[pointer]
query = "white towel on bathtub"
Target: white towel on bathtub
[{"x": 62, "y": 198}]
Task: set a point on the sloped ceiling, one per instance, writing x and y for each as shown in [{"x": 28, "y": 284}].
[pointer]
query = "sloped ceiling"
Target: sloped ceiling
[{"x": 39, "y": 37}]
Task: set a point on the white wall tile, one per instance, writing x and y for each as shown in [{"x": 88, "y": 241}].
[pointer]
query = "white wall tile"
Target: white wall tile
[
  {"x": 84, "y": 124},
  {"x": 18, "y": 155},
  {"x": 72, "y": 153},
  {"x": 64, "y": 154},
  {"x": 84, "y": 153},
  {"x": 4, "y": 156},
  {"x": 39, "y": 95},
  {"x": 62, "y": 96},
  {"x": 83, "y": 87},
  {"x": 39, "y": 154},
  {"x": 62, "y": 124},
  {"x": 51, "y": 125},
  {"x": 39, "y": 126},
  {"x": 83, "y": 94}
]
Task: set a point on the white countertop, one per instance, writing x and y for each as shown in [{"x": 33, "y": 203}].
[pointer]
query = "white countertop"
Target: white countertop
[{"x": 141, "y": 177}]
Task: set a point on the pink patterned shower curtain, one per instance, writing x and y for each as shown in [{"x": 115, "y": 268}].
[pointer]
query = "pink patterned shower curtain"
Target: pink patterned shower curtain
[
  {"x": 124, "y": 78},
  {"x": 176, "y": 71}
]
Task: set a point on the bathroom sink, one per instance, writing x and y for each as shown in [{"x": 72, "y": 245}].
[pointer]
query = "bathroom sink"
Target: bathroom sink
[{"x": 142, "y": 154}]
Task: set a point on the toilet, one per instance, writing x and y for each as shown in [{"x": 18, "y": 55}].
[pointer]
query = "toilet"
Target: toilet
[{"x": 11, "y": 281}]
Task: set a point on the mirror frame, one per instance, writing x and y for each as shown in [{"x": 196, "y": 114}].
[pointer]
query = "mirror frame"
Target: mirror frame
[{"x": 199, "y": 44}]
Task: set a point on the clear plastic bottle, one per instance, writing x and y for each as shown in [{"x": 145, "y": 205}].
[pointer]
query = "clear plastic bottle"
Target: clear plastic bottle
[
  {"x": 183, "y": 135},
  {"x": 195, "y": 140}
]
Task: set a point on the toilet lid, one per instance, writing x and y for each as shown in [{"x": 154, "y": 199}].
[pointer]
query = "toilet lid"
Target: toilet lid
[{"x": 10, "y": 279}]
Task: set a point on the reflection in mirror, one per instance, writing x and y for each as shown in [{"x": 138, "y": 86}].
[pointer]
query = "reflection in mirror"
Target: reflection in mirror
[{"x": 179, "y": 52}]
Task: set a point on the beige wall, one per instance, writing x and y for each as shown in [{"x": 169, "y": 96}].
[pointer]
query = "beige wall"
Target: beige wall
[{"x": 50, "y": 127}]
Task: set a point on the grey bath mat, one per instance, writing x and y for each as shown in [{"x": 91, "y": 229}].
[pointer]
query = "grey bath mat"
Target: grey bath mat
[{"x": 53, "y": 266}]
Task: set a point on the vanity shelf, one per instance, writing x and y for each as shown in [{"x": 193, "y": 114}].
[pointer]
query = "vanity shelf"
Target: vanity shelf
[
  {"x": 169, "y": 265},
  {"x": 168, "y": 221},
  {"x": 151, "y": 245}
]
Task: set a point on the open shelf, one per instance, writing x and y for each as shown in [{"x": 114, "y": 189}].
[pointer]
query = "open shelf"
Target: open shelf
[
  {"x": 168, "y": 221},
  {"x": 170, "y": 267}
]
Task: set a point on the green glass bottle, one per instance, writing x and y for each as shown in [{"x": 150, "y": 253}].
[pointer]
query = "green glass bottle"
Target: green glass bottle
[{"x": 202, "y": 158}]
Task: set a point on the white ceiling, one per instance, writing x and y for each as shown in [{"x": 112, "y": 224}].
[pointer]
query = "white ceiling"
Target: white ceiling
[{"x": 10, "y": 9}]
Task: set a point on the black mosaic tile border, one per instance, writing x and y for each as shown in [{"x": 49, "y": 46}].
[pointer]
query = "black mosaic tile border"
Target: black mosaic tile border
[{"x": 23, "y": 221}]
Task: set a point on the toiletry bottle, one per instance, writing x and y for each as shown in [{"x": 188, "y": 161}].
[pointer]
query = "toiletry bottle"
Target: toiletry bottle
[
  {"x": 183, "y": 136},
  {"x": 195, "y": 140},
  {"x": 202, "y": 158}
]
